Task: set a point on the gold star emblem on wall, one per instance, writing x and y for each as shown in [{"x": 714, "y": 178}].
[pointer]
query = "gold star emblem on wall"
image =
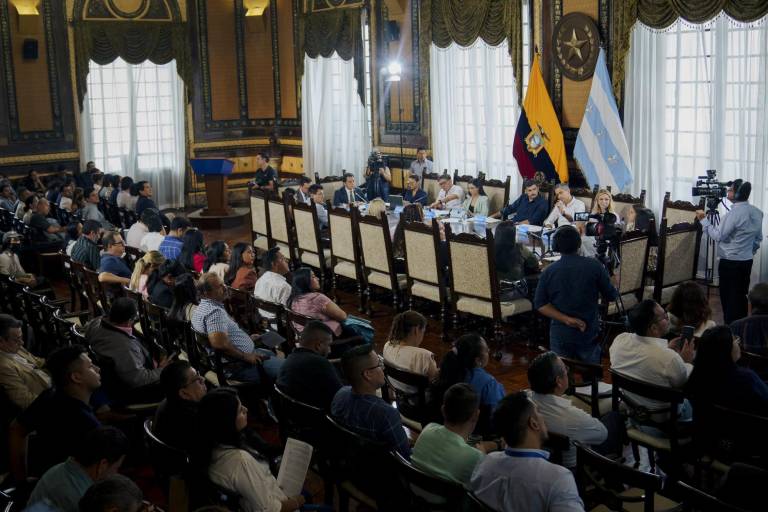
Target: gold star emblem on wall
[{"x": 574, "y": 46}]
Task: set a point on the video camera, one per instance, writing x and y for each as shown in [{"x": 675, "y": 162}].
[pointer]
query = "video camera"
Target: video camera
[
  {"x": 607, "y": 236},
  {"x": 377, "y": 161},
  {"x": 712, "y": 190}
]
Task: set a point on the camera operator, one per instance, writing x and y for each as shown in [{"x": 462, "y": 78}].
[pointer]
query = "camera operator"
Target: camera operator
[
  {"x": 738, "y": 236},
  {"x": 377, "y": 177}
]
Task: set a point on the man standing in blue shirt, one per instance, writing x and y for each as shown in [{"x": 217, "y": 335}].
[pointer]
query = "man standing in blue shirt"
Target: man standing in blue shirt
[
  {"x": 530, "y": 207},
  {"x": 738, "y": 237},
  {"x": 568, "y": 293}
]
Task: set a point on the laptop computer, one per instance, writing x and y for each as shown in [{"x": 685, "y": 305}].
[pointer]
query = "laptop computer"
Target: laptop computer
[{"x": 395, "y": 201}]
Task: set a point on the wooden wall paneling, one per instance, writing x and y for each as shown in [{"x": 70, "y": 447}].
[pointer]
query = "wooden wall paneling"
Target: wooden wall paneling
[
  {"x": 259, "y": 67},
  {"x": 220, "y": 45},
  {"x": 289, "y": 108}
]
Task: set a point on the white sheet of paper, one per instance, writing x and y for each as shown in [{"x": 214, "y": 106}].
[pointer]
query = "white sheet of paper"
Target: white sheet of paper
[
  {"x": 294, "y": 466},
  {"x": 603, "y": 388}
]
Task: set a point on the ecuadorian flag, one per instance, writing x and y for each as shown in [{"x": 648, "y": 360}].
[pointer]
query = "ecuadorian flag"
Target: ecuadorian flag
[{"x": 539, "y": 145}]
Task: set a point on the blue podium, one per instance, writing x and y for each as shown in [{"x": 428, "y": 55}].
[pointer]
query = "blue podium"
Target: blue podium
[{"x": 215, "y": 172}]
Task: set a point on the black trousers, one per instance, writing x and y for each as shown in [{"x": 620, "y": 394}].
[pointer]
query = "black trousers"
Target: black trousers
[{"x": 734, "y": 286}]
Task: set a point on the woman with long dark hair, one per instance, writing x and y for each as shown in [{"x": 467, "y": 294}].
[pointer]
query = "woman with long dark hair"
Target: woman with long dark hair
[
  {"x": 476, "y": 202},
  {"x": 185, "y": 298},
  {"x": 217, "y": 259},
  {"x": 241, "y": 274},
  {"x": 466, "y": 363},
  {"x": 192, "y": 254},
  {"x": 513, "y": 260},
  {"x": 307, "y": 299},
  {"x": 221, "y": 455},
  {"x": 689, "y": 306}
]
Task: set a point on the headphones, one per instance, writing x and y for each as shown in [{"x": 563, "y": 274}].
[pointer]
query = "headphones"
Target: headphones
[
  {"x": 741, "y": 190},
  {"x": 558, "y": 234}
]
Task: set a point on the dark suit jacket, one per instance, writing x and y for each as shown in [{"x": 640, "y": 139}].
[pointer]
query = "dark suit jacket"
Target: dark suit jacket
[
  {"x": 341, "y": 197},
  {"x": 309, "y": 377}
]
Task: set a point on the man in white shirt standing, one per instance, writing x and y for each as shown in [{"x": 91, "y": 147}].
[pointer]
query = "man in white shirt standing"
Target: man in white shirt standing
[
  {"x": 645, "y": 355},
  {"x": 521, "y": 477},
  {"x": 272, "y": 285},
  {"x": 565, "y": 207},
  {"x": 450, "y": 196}
]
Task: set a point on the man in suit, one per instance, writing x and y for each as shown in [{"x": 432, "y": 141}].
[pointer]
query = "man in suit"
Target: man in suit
[
  {"x": 21, "y": 374},
  {"x": 303, "y": 194},
  {"x": 349, "y": 193}
]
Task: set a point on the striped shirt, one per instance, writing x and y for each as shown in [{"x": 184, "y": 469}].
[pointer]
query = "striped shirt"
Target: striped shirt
[
  {"x": 170, "y": 247},
  {"x": 85, "y": 251}
]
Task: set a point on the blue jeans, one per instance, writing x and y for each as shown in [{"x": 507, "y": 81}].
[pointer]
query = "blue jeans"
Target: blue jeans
[
  {"x": 252, "y": 373},
  {"x": 587, "y": 351}
]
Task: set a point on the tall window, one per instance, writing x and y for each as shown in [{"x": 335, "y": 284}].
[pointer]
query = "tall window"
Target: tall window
[
  {"x": 133, "y": 124},
  {"x": 367, "y": 53}
]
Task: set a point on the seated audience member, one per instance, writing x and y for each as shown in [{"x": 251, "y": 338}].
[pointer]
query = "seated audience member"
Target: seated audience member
[
  {"x": 548, "y": 378},
  {"x": 225, "y": 335},
  {"x": 52, "y": 190},
  {"x": 185, "y": 299},
  {"x": 112, "y": 338},
  {"x": 173, "y": 243},
  {"x": 307, "y": 299},
  {"x": 75, "y": 378},
  {"x": 410, "y": 213},
  {"x": 30, "y": 208},
  {"x": 98, "y": 182},
  {"x": 66, "y": 193},
  {"x": 272, "y": 286},
  {"x": 33, "y": 182},
  {"x": 753, "y": 329},
  {"x": 717, "y": 379},
  {"x": 22, "y": 377},
  {"x": 402, "y": 348},
  {"x": 442, "y": 450},
  {"x": 689, "y": 306},
  {"x": 359, "y": 408},
  {"x": 137, "y": 231},
  {"x": 106, "y": 187},
  {"x": 45, "y": 235},
  {"x": 24, "y": 194},
  {"x": 113, "y": 268},
  {"x": 302, "y": 193},
  {"x": 99, "y": 456},
  {"x": 78, "y": 202},
  {"x": 155, "y": 235},
  {"x": 192, "y": 254},
  {"x": 513, "y": 260},
  {"x": 307, "y": 375},
  {"x": 476, "y": 202},
  {"x": 10, "y": 265},
  {"x": 142, "y": 269},
  {"x": 161, "y": 282},
  {"x": 91, "y": 210},
  {"x": 348, "y": 194},
  {"x": 74, "y": 231},
  {"x": 565, "y": 207},
  {"x": 450, "y": 195},
  {"x": 567, "y": 293},
  {"x": 144, "y": 199},
  {"x": 114, "y": 189},
  {"x": 115, "y": 493},
  {"x": 217, "y": 258},
  {"x": 8, "y": 198},
  {"x": 241, "y": 274},
  {"x": 376, "y": 207},
  {"x": 124, "y": 197},
  {"x": 318, "y": 196},
  {"x": 645, "y": 355},
  {"x": 521, "y": 477},
  {"x": 86, "y": 249},
  {"x": 413, "y": 192},
  {"x": 220, "y": 453},
  {"x": 177, "y": 413}
]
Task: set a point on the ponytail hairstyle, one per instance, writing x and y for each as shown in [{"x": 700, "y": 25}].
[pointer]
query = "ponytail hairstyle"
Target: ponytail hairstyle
[
  {"x": 457, "y": 363},
  {"x": 144, "y": 265},
  {"x": 404, "y": 323}
]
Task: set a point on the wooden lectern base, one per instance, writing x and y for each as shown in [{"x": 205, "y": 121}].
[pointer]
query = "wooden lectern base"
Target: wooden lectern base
[{"x": 202, "y": 219}]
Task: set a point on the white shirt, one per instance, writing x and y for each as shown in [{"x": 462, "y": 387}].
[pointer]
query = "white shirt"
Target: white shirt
[
  {"x": 556, "y": 218},
  {"x": 239, "y": 471},
  {"x": 453, "y": 203},
  {"x": 272, "y": 287},
  {"x": 136, "y": 234},
  {"x": 126, "y": 200},
  {"x": 649, "y": 360},
  {"x": 564, "y": 418},
  {"x": 220, "y": 269},
  {"x": 151, "y": 241},
  {"x": 528, "y": 483}
]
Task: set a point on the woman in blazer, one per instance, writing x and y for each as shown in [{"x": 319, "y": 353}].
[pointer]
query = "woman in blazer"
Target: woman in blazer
[{"x": 476, "y": 202}]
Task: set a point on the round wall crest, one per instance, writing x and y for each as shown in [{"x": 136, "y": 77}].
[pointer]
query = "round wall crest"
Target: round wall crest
[{"x": 576, "y": 43}]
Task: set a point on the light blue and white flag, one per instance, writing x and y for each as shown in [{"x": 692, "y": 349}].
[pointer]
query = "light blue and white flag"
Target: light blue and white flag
[{"x": 601, "y": 148}]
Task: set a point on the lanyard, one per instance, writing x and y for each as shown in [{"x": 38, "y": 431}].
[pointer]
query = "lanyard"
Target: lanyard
[{"x": 526, "y": 454}]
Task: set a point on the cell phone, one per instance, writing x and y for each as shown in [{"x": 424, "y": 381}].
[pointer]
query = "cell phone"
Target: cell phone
[
  {"x": 687, "y": 333},
  {"x": 581, "y": 217}
]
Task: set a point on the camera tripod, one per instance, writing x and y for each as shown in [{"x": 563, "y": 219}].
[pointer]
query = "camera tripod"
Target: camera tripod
[{"x": 713, "y": 216}]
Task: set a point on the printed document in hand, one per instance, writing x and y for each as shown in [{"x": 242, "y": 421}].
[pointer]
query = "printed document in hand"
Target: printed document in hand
[{"x": 294, "y": 466}]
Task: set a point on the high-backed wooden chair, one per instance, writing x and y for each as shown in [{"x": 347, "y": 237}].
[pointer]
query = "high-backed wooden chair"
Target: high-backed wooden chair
[
  {"x": 633, "y": 251},
  {"x": 699, "y": 501},
  {"x": 169, "y": 464},
  {"x": 498, "y": 193},
  {"x": 281, "y": 228},
  {"x": 330, "y": 184},
  {"x": 424, "y": 269},
  {"x": 284, "y": 184},
  {"x": 309, "y": 246},
  {"x": 90, "y": 286},
  {"x": 271, "y": 315},
  {"x": 678, "y": 258},
  {"x": 462, "y": 180},
  {"x": 241, "y": 307},
  {"x": 260, "y": 220},
  {"x": 427, "y": 492},
  {"x": 345, "y": 250},
  {"x": 623, "y": 202},
  {"x": 586, "y": 195},
  {"x": 546, "y": 190},
  {"x": 430, "y": 185},
  {"x": 680, "y": 212},
  {"x": 474, "y": 284},
  {"x": 580, "y": 375},
  {"x": 378, "y": 259},
  {"x": 409, "y": 391}
]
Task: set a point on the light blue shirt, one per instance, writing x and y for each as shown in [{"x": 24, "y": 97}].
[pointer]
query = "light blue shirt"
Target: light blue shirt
[
  {"x": 62, "y": 486},
  {"x": 739, "y": 234}
]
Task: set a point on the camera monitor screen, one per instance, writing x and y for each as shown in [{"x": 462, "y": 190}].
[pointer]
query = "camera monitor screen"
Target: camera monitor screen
[{"x": 581, "y": 216}]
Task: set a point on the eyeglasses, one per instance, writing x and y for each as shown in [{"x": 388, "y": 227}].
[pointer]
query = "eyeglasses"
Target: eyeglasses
[{"x": 380, "y": 365}]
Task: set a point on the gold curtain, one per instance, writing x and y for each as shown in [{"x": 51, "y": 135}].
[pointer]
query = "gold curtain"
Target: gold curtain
[
  {"x": 660, "y": 14},
  {"x": 335, "y": 30},
  {"x": 464, "y": 21}
]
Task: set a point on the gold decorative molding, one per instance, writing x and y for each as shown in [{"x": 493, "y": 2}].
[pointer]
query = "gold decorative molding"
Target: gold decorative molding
[
  {"x": 538, "y": 35},
  {"x": 231, "y": 143},
  {"x": 50, "y": 157},
  {"x": 395, "y": 150},
  {"x": 290, "y": 142}
]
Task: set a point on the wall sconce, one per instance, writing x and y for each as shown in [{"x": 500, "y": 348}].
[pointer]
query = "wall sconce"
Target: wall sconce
[
  {"x": 255, "y": 21},
  {"x": 27, "y": 16}
]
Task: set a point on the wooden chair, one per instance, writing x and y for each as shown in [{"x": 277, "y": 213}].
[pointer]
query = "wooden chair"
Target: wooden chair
[
  {"x": 498, "y": 193},
  {"x": 284, "y": 184},
  {"x": 623, "y": 202},
  {"x": 616, "y": 486},
  {"x": 409, "y": 391},
  {"x": 758, "y": 363},
  {"x": 474, "y": 284},
  {"x": 430, "y": 185},
  {"x": 678, "y": 259},
  {"x": 625, "y": 390},
  {"x": 697, "y": 500},
  {"x": 633, "y": 253},
  {"x": 132, "y": 255},
  {"x": 680, "y": 212},
  {"x": 95, "y": 289},
  {"x": 309, "y": 246},
  {"x": 78, "y": 300},
  {"x": 63, "y": 323},
  {"x": 91, "y": 293},
  {"x": 556, "y": 445},
  {"x": 427, "y": 492},
  {"x": 330, "y": 184},
  {"x": 242, "y": 309},
  {"x": 586, "y": 195},
  {"x": 260, "y": 220},
  {"x": 378, "y": 259},
  {"x": 295, "y": 320},
  {"x": 271, "y": 315},
  {"x": 581, "y": 374},
  {"x": 159, "y": 334},
  {"x": 170, "y": 464},
  {"x": 345, "y": 251},
  {"x": 424, "y": 270},
  {"x": 462, "y": 180},
  {"x": 281, "y": 228},
  {"x": 730, "y": 436}
]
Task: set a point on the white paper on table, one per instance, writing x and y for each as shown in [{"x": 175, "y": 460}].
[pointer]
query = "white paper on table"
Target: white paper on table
[
  {"x": 294, "y": 466},
  {"x": 603, "y": 388}
]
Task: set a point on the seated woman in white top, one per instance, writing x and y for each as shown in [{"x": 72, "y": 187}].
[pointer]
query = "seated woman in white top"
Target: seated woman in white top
[
  {"x": 476, "y": 202},
  {"x": 689, "y": 306},
  {"x": 402, "y": 349},
  {"x": 217, "y": 258},
  {"x": 221, "y": 455}
]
